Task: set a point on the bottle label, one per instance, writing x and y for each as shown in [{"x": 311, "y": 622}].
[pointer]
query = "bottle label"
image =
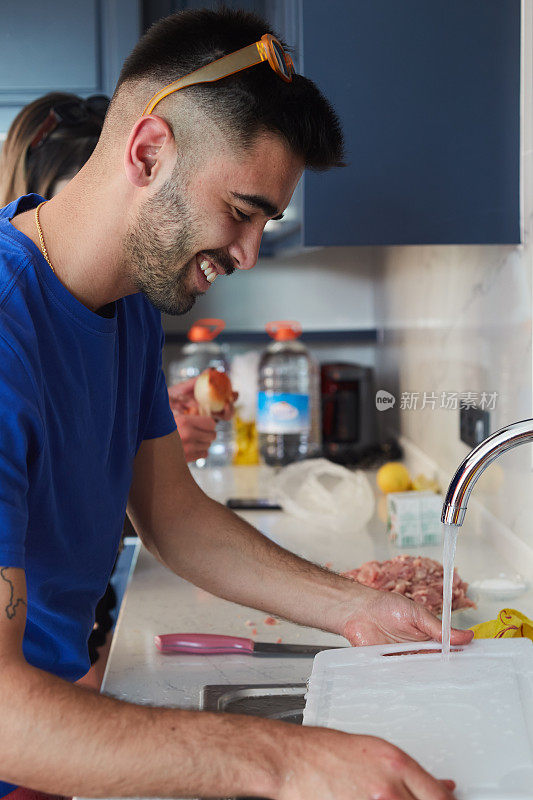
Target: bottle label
[{"x": 282, "y": 412}]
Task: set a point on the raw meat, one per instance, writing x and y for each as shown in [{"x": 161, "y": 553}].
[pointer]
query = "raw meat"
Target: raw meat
[{"x": 416, "y": 577}]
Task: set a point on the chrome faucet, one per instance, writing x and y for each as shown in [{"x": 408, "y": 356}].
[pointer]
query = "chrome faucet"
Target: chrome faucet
[{"x": 462, "y": 483}]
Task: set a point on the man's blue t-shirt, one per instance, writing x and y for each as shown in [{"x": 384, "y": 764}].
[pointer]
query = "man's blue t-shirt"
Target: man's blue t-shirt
[{"x": 78, "y": 394}]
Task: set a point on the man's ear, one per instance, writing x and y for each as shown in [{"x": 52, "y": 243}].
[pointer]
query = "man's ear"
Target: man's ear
[{"x": 150, "y": 140}]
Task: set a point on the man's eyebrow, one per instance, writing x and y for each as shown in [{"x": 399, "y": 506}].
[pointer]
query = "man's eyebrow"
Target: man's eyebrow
[{"x": 257, "y": 201}]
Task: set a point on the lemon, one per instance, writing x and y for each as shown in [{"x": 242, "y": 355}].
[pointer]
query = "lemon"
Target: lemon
[{"x": 393, "y": 477}]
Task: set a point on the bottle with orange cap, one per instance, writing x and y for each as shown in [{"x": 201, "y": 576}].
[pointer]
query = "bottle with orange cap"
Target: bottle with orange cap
[
  {"x": 288, "y": 401},
  {"x": 201, "y": 352}
]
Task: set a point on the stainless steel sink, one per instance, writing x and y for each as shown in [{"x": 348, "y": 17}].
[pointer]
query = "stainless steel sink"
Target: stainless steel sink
[{"x": 283, "y": 701}]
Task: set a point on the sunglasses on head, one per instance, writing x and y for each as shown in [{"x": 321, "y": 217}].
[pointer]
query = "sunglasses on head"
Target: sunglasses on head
[
  {"x": 70, "y": 113},
  {"x": 268, "y": 49}
]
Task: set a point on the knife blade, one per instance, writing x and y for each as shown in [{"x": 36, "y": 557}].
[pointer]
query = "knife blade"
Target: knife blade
[{"x": 203, "y": 644}]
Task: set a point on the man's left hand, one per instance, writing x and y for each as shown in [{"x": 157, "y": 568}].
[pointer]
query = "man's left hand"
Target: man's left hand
[{"x": 388, "y": 617}]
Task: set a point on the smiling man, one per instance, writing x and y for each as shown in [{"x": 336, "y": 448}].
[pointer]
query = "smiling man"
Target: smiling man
[
  {"x": 215, "y": 228},
  {"x": 175, "y": 196}
]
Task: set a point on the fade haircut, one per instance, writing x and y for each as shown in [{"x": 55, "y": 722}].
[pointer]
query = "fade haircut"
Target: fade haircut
[{"x": 243, "y": 105}]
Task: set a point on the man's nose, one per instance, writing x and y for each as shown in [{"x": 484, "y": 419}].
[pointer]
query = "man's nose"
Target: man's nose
[{"x": 245, "y": 249}]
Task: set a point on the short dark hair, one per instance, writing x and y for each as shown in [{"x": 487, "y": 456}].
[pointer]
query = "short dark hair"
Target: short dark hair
[{"x": 249, "y": 102}]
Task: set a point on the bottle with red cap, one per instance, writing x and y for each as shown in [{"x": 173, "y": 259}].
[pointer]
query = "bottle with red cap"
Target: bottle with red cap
[
  {"x": 201, "y": 352},
  {"x": 288, "y": 401}
]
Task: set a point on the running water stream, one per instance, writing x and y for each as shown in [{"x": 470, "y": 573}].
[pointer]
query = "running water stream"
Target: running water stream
[{"x": 449, "y": 539}]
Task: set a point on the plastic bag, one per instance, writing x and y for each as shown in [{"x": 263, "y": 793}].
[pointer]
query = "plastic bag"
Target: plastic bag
[{"x": 325, "y": 493}]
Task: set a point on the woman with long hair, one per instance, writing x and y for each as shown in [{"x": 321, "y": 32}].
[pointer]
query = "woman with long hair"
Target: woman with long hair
[{"x": 48, "y": 142}]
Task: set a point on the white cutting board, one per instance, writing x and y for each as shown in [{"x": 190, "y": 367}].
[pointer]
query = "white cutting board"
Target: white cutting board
[{"x": 469, "y": 719}]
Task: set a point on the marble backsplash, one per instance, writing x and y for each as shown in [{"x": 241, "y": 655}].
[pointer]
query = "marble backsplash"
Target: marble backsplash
[{"x": 457, "y": 320}]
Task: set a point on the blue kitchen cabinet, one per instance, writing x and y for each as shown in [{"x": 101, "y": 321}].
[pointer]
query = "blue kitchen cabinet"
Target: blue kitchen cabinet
[
  {"x": 429, "y": 97},
  {"x": 428, "y": 93},
  {"x": 62, "y": 45}
]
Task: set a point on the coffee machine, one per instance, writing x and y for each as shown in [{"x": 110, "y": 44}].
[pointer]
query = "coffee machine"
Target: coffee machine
[{"x": 349, "y": 421}]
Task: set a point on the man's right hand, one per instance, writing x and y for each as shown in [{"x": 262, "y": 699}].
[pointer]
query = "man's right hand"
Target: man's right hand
[{"x": 326, "y": 764}]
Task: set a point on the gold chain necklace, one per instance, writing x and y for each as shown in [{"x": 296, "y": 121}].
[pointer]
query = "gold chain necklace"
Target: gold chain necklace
[{"x": 41, "y": 237}]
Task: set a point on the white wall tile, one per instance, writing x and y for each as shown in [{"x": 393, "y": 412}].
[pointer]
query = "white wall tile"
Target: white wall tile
[{"x": 326, "y": 288}]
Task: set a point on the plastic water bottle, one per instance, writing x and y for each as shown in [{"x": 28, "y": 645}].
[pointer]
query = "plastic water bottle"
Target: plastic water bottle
[
  {"x": 201, "y": 352},
  {"x": 288, "y": 401}
]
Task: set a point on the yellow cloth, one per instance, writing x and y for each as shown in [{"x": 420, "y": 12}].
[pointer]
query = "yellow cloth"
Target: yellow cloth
[{"x": 509, "y": 624}]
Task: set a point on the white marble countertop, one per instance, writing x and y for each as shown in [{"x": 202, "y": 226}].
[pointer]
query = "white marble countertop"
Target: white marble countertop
[{"x": 158, "y": 601}]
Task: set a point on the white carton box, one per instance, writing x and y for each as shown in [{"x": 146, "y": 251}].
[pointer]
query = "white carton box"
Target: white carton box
[{"x": 413, "y": 518}]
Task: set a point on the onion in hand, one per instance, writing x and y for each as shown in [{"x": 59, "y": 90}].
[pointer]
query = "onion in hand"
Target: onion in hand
[{"x": 212, "y": 390}]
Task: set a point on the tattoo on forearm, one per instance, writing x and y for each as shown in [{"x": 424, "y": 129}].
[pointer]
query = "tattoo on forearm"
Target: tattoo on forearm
[{"x": 11, "y": 608}]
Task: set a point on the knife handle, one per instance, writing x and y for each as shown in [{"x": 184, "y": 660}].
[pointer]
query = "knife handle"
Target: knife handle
[{"x": 202, "y": 644}]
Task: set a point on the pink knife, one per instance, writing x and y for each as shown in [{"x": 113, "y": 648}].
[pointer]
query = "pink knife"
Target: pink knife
[{"x": 204, "y": 644}]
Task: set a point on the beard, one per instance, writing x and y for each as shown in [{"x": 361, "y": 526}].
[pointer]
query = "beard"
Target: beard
[{"x": 161, "y": 237}]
